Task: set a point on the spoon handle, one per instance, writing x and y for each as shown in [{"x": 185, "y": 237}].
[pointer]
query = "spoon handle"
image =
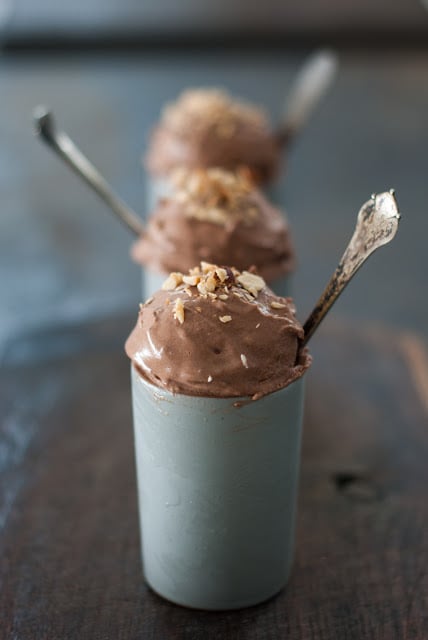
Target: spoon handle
[
  {"x": 59, "y": 141},
  {"x": 311, "y": 84},
  {"x": 377, "y": 225}
]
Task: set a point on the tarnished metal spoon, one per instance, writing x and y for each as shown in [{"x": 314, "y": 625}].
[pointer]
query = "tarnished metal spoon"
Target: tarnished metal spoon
[
  {"x": 310, "y": 85},
  {"x": 377, "y": 224},
  {"x": 63, "y": 146}
]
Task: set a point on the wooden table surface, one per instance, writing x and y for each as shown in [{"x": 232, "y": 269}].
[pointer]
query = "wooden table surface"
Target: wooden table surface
[{"x": 68, "y": 519}]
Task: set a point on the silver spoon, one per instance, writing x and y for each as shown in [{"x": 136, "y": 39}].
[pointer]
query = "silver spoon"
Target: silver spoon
[
  {"x": 310, "y": 85},
  {"x": 377, "y": 224},
  {"x": 59, "y": 141}
]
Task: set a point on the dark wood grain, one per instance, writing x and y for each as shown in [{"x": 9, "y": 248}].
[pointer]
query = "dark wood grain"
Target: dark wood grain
[{"x": 70, "y": 565}]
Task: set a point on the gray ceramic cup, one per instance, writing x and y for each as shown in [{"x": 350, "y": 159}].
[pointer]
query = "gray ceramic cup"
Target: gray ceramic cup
[
  {"x": 155, "y": 188},
  {"x": 217, "y": 486},
  {"x": 151, "y": 281}
]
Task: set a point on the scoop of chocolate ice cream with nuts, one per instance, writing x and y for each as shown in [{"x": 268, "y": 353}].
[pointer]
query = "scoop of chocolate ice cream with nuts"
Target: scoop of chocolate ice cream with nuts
[
  {"x": 216, "y": 216},
  {"x": 208, "y": 128},
  {"x": 218, "y": 332}
]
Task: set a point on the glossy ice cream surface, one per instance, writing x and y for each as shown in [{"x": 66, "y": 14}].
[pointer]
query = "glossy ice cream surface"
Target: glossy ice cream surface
[
  {"x": 216, "y": 216},
  {"x": 207, "y": 128},
  {"x": 218, "y": 332}
]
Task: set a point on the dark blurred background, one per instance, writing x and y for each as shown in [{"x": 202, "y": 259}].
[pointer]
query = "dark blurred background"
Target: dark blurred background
[
  {"x": 40, "y": 22},
  {"x": 106, "y": 67}
]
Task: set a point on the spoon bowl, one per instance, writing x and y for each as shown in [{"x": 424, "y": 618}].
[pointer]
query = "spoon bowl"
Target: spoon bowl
[{"x": 377, "y": 224}]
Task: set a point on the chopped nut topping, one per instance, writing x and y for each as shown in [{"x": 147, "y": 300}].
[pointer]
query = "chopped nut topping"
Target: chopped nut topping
[
  {"x": 215, "y": 195},
  {"x": 231, "y": 276},
  {"x": 221, "y": 274},
  {"x": 277, "y": 305},
  {"x": 195, "y": 271},
  {"x": 192, "y": 280},
  {"x": 210, "y": 282},
  {"x": 244, "y": 360},
  {"x": 257, "y": 325},
  {"x": 225, "y": 318},
  {"x": 172, "y": 282},
  {"x": 202, "y": 288},
  {"x": 209, "y": 379},
  {"x": 202, "y": 109},
  {"x": 206, "y": 267},
  {"x": 251, "y": 282},
  {"x": 179, "y": 310},
  {"x": 149, "y": 300},
  {"x": 214, "y": 282}
]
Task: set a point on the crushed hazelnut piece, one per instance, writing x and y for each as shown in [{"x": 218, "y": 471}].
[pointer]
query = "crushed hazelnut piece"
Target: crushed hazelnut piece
[
  {"x": 225, "y": 318},
  {"x": 257, "y": 325},
  {"x": 223, "y": 296},
  {"x": 172, "y": 281},
  {"x": 202, "y": 288},
  {"x": 179, "y": 310},
  {"x": 277, "y": 305},
  {"x": 251, "y": 282},
  {"x": 214, "y": 215},
  {"x": 221, "y": 274},
  {"x": 195, "y": 182},
  {"x": 244, "y": 360},
  {"x": 207, "y": 266},
  {"x": 191, "y": 280},
  {"x": 210, "y": 283},
  {"x": 209, "y": 379}
]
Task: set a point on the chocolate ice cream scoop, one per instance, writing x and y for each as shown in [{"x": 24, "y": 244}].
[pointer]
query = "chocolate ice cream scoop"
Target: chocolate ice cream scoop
[
  {"x": 216, "y": 216},
  {"x": 207, "y": 128},
  {"x": 218, "y": 332}
]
